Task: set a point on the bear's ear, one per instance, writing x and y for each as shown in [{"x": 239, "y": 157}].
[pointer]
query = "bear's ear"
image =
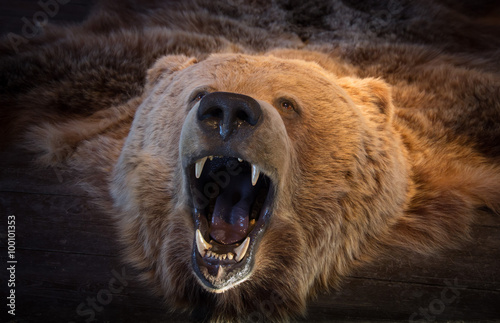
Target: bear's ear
[
  {"x": 372, "y": 95},
  {"x": 167, "y": 65}
]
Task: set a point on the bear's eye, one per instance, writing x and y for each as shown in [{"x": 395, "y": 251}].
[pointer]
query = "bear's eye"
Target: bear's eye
[
  {"x": 199, "y": 96},
  {"x": 287, "y": 106}
]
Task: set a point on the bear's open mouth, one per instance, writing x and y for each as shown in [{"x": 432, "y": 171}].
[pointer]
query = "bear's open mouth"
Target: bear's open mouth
[{"x": 232, "y": 201}]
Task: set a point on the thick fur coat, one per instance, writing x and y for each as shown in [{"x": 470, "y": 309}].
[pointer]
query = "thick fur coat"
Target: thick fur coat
[{"x": 377, "y": 129}]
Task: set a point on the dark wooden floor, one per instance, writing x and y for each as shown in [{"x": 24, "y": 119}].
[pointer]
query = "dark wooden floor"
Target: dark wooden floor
[{"x": 68, "y": 266}]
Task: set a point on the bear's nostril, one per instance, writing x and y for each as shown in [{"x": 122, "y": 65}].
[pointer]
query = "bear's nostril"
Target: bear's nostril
[
  {"x": 213, "y": 112},
  {"x": 243, "y": 116},
  {"x": 227, "y": 112}
]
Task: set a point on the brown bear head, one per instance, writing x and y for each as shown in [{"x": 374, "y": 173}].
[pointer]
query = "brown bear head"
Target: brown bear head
[{"x": 245, "y": 177}]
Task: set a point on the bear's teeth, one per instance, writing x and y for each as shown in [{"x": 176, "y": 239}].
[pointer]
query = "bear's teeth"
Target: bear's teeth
[
  {"x": 198, "y": 168},
  {"x": 255, "y": 174},
  {"x": 202, "y": 245},
  {"x": 242, "y": 250},
  {"x": 204, "y": 249}
]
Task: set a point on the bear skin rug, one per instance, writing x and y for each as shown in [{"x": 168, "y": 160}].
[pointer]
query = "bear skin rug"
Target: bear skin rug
[{"x": 251, "y": 148}]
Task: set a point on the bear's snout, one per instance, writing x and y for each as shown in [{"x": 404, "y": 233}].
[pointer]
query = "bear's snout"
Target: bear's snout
[{"x": 227, "y": 112}]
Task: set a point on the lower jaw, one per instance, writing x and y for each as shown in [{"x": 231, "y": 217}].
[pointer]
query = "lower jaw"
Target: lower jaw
[
  {"x": 224, "y": 285},
  {"x": 218, "y": 276}
]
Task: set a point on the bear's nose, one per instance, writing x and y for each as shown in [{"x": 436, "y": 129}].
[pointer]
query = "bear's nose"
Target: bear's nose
[{"x": 228, "y": 112}]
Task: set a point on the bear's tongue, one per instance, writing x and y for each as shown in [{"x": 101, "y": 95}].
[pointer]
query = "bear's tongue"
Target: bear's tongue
[{"x": 231, "y": 215}]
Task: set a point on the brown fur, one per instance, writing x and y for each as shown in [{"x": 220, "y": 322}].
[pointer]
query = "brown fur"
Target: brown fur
[{"x": 394, "y": 146}]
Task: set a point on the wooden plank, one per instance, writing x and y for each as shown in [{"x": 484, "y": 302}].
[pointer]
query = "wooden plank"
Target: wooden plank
[
  {"x": 52, "y": 287},
  {"x": 38, "y": 181},
  {"x": 383, "y": 300},
  {"x": 476, "y": 265},
  {"x": 19, "y": 173},
  {"x": 59, "y": 223}
]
